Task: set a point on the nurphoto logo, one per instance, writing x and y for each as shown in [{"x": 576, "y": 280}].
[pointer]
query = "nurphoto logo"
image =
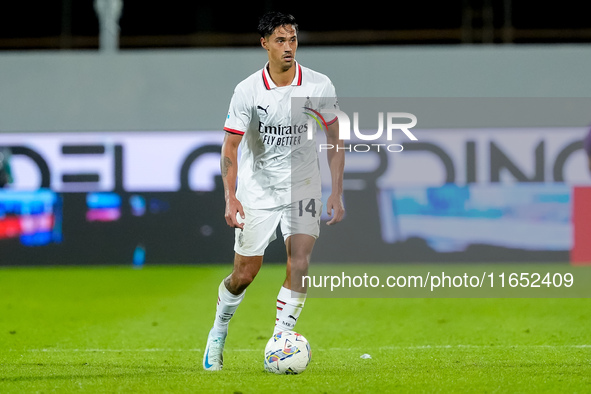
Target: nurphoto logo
[{"x": 392, "y": 120}]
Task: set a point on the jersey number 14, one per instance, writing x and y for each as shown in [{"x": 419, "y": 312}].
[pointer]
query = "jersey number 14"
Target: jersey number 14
[{"x": 310, "y": 207}]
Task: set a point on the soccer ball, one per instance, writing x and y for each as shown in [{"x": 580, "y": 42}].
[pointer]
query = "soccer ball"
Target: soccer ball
[{"x": 287, "y": 353}]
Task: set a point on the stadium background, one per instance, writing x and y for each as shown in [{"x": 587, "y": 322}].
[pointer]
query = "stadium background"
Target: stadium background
[{"x": 123, "y": 143}]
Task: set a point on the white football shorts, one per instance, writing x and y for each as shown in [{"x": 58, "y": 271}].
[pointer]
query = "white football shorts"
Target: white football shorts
[{"x": 260, "y": 225}]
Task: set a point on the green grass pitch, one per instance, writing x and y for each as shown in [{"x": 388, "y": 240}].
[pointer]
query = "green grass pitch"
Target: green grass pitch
[{"x": 116, "y": 329}]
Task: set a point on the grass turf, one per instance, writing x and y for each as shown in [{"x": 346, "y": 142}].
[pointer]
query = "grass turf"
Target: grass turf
[{"x": 116, "y": 329}]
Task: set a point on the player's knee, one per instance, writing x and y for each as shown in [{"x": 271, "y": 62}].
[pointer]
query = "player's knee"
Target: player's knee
[{"x": 299, "y": 263}]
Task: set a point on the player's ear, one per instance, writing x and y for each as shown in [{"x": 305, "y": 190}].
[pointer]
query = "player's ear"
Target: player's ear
[{"x": 264, "y": 43}]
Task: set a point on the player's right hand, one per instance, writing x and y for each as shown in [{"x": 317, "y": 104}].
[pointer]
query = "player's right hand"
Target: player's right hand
[{"x": 233, "y": 209}]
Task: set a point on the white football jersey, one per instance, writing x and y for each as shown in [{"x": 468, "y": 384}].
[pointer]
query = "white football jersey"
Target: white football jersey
[{"x": 278, "y": 163}]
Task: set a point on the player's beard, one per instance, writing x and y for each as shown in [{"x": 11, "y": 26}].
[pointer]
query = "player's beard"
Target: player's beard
[{"x": 287, "y": 64}]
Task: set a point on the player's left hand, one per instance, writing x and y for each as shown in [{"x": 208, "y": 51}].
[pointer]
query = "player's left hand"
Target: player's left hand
[{"x": 335, "y": 208}]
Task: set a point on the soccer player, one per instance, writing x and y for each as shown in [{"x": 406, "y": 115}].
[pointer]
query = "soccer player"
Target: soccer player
[{"x": 276, "y": 182}]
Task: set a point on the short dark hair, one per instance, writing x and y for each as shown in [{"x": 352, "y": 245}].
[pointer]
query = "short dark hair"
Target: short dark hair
[{"x": 272, "y": 20}]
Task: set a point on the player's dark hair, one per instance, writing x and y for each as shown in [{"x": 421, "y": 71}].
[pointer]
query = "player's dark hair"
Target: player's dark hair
[{"x": 272, "y": 20}]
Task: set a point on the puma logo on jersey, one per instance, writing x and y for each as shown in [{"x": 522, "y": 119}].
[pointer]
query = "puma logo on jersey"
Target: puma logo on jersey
[{"x": 263, "y": 109}]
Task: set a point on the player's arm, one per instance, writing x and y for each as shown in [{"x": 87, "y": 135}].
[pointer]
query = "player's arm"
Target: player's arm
[
  {"x": 229, "y": 168},
  {"x": 336, "y": 163}
]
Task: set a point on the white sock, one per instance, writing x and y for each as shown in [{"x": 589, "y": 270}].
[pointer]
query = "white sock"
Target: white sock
[
  {"x": 289, "y": 307},
  {"x": 227, "y": 305}
]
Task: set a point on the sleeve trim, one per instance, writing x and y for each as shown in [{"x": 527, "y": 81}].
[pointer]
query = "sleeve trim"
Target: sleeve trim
[
  {"x": 233, "y": 131},
  {"x": 332, "y": 121}
]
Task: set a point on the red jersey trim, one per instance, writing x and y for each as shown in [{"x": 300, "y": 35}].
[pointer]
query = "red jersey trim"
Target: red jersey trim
[
  {"x": 267, "y": 86},
  {"x": 266, "y": 81},
  {"x": 332, "y": 121},
  {"x": 233, "y": 131}
]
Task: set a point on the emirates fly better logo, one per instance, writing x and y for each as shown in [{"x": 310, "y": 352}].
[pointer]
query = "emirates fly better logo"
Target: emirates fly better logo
[{"x": 345, "y": 130}]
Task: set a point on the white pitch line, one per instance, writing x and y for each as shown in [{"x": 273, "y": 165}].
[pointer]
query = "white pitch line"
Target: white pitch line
[{"x": 422, "y": 347}]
